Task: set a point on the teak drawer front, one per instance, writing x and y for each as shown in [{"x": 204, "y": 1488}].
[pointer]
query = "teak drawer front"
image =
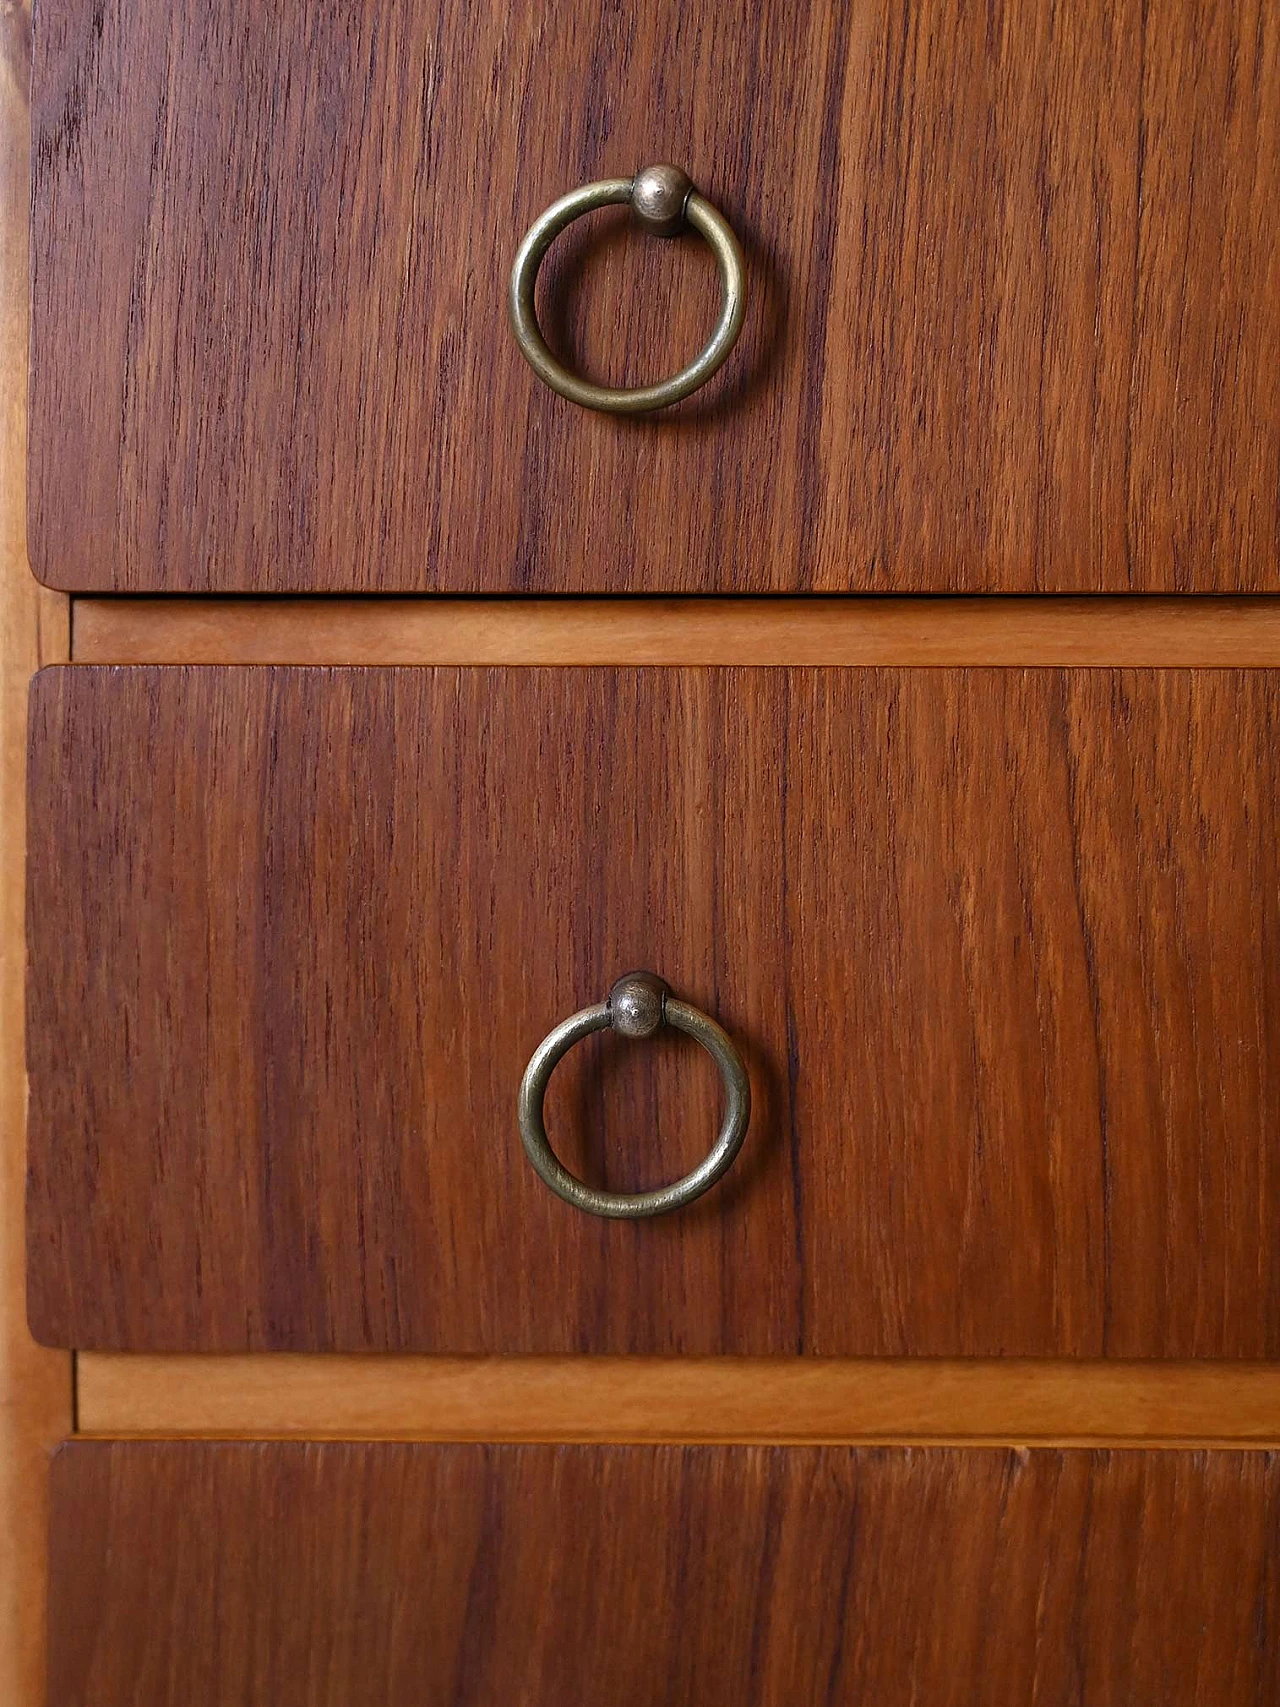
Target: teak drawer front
[
  {"x": 1014, "y": 322},
  {"x": 187, "y": 1575},
  {"x": 1000, "y": 949}
]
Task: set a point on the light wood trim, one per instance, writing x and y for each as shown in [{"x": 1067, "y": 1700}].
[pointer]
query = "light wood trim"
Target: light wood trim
[
  {"x": 1100, "y": 631},
  {"x": 681, "y": 1399},
  {"x": 35, "y": 1384}
]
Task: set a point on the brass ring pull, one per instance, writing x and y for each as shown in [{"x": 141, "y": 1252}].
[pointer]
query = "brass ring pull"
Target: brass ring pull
[
  {"x": 638, "y": 1005},
  {"x": 664, "y": 200}
]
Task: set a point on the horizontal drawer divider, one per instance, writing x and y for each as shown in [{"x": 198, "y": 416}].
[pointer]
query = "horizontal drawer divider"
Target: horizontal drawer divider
[
  {"x": 1051, "y": 631},
  {"x": 787, "y": 1400}
]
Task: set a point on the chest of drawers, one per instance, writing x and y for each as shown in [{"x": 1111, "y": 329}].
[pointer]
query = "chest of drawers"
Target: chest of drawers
[{"x": 958, "y": 1385}]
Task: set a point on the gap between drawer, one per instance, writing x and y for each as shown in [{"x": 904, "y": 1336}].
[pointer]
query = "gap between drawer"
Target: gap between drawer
[
  {"x": 1015, "y": 631},
  {"x": 780, "y": 1400}
]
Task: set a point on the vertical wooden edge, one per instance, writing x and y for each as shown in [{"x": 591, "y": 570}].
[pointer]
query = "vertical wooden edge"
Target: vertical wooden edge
[{"x": 36, "y": 1385}]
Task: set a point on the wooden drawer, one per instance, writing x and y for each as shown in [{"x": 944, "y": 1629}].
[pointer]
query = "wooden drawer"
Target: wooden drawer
[
  {"x": 196, "y": 1575},
  {"x": 1000, "y": 948},
  {"x": 1014, "y": 323}
]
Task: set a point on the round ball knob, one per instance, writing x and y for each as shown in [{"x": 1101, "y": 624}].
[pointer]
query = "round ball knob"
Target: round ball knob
[
  {"x": 636, "y": 1004},
  {"x": 658, "y": 196}
]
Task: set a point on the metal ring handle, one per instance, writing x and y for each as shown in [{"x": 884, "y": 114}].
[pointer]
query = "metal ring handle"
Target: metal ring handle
[
  {"x": 664, "y": 200},
  {"x": 638, "y": 1005}
]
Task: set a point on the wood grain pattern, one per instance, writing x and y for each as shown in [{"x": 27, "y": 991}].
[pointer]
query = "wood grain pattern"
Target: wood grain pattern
[
  {"x": 35, "y": 1384},
  {"x": 1015, "y": 273},
  {"x": 1141, "y": 630},
  {"x": 999, "y": 947},
  {"x": 189, "y": 1576},
  {"x": 687, "y": 1399}
]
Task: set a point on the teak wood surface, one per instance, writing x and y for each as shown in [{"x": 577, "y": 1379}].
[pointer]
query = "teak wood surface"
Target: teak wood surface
[
  {"x": 191, "y": 1576},
  {"x": 999, "y": 947},
  {"x": 1014, "y": 275},
  {"x": 1014, "y": 328}
]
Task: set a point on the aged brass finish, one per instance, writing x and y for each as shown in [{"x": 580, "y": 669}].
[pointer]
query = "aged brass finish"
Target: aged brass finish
[
  {"x": 664, "y": 201},
  {"x": 637, "y": 1006},
  {"x": 658, "y": 198}
]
